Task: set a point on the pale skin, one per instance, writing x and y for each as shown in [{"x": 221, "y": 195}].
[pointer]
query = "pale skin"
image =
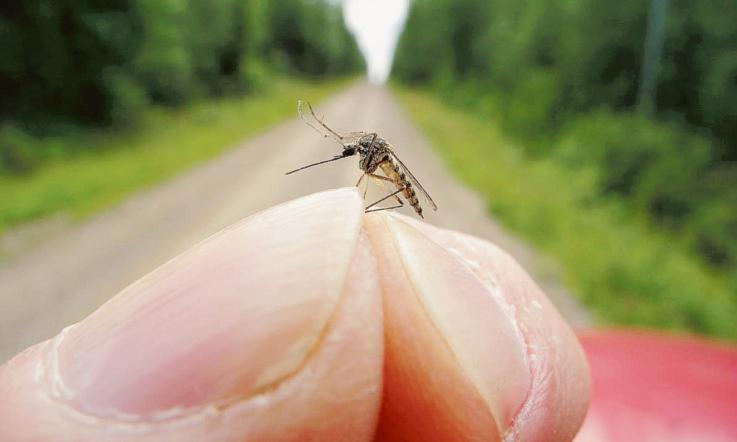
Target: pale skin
[{"x": 311, "y": 321}]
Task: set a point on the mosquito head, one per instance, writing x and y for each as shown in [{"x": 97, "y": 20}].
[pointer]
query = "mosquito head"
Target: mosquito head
[{"x": 350, "y": 149}]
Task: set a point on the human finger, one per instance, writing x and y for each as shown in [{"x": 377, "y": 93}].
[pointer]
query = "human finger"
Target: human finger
[{"x": 266, "y": 331}]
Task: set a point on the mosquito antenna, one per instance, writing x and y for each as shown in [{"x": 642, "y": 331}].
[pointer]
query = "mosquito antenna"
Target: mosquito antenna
[
  {"x": 335, "y": 158},
  {"x": 302, "y": 116},
  {"x": 306, "y": 121},
  {"x": 322, "y": 123}
]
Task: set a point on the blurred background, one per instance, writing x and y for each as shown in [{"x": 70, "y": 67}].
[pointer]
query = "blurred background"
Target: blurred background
[
  {"x": 604, "y": 133},
  {"x": 601, "y": 134},
  {"x": 632, "y": 108}
]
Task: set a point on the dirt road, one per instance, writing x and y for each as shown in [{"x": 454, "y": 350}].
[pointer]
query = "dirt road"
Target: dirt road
[{"x": 69, "y": 274}]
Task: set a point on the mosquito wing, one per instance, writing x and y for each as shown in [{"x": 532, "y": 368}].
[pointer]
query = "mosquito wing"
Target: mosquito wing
[{"x": 414, "y": 180}]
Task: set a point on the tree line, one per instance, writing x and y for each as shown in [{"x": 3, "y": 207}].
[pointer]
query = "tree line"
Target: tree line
[
  {"x": 92, "y": 62},
  {"x": 566, "y": 77}
]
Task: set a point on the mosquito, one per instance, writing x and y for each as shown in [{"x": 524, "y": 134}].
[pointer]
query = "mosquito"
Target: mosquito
[{"x": 375, "y": 153}]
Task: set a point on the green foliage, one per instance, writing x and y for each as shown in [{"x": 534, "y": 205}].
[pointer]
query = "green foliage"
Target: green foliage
[
  {"x": 713, "y": 229},
  {"x": 660, "y": 171},
  {"x": 88, "y": 63},
  {"x": 108, "y": 165},
  {"x": 424, "y": 52},
  {"x": 541, "y": 60},
  {"x": 129, "y": 99},
  {"x": 656, "y": 168},
  {"x": 529, "y": 106},
  {"x": 718, "y": 95},
  {"x": 306, "y": 37},
  {"x": 563, "y": 78},
  {"x": 590, "y": 50},
  {"x": 163, "y": 64},
  {"x": 17, "y": 156},
  {"x": 255, "y": 74},
  {"x": 624, "y": 271},
  {"x": 55, "y": 55}
]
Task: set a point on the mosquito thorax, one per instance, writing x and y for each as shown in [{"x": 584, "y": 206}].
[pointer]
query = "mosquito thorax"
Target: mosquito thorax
[
  {"x": 361, "y": 149},
  {"x": 366, "y": 141}
]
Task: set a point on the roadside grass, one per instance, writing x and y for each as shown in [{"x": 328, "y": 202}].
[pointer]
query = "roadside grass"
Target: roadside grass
[
  {"x": 624, "y": 271},
  {"x": 106, "y": 165}
]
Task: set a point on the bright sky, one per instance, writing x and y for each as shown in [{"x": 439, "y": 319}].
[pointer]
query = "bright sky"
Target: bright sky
[{"x": 376, "y": 24}]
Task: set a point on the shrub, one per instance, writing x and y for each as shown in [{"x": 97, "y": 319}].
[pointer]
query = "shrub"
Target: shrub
[
  {"x": 529, "y": 110},
  {"x": 718, "y": 96},
  {"x": 713, "y": 230},
  {"x": 128, "y": 98},
  {"x": 17, "y": 153},
  {"x": 255, "y": 75},
  {"x": 654, "y": 164}
]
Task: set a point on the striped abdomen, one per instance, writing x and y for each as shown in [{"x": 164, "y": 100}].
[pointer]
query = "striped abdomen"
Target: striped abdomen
[{"x": 395, "y": 174}]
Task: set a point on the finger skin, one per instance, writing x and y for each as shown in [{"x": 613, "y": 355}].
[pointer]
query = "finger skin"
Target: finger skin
[
  {"x": 333, "y": 394},
  {"x": 427, "y": 395},
  {"x": 434, "y": 335},
  {"x": 561, "y": 388}
]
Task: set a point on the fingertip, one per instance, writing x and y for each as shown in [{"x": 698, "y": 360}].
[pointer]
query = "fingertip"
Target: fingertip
[
  {"x": 427, "y": 395},
  {"x": 561, "y": 385},
  {"x": 553, "y": 369},
  {"x": 270, "y": 330}
]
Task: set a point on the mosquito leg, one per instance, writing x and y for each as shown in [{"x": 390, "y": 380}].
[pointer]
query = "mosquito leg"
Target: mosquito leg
[
  {"x": 379, "y": 209},
  {"x": 365, "y": 190},
  {"x": 384, "y": 199},
  {"x": 385, "y": 179},
  {"x": 370, "y": 149}
]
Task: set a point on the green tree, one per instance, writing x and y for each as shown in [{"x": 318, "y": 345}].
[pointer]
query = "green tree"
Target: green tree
[
  {"x": 564, "y": 76},
  {"x": 87, "y": 62}
]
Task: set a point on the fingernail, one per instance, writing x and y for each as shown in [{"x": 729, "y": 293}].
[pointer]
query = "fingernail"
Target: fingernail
[
  {"x": 224, "y": 321},
  {"x": 478, "y": 325}
]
